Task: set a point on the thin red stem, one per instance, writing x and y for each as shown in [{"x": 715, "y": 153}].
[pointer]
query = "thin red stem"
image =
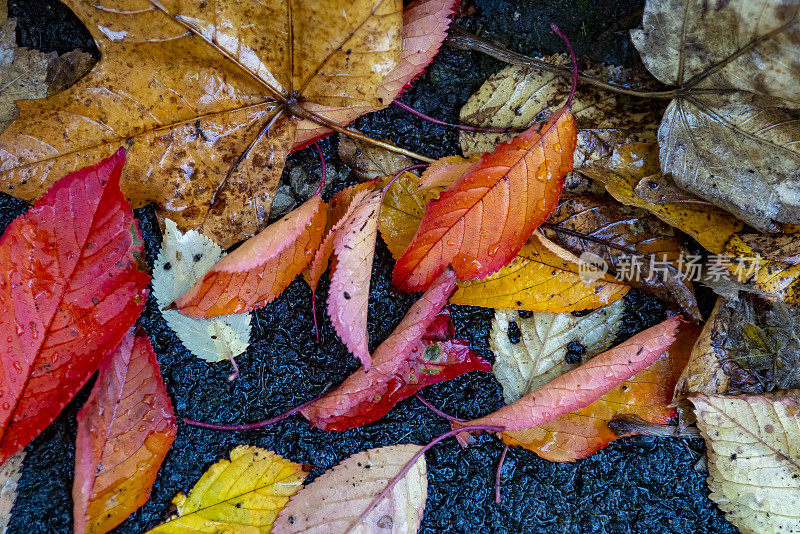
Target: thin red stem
[
  {"x": 324, "y": 168},
  {"x": 463, "y": 127},
  {"x": 401, "y": 172},
  {"x": 251, "y": 426},
  {"x": 564, "y": 37},
  {"x": 235, "y": 373},
  {"x": 497, "y": 497},
  {"x": 436, "y": 410},
  {"x": 413, "y": 460}
]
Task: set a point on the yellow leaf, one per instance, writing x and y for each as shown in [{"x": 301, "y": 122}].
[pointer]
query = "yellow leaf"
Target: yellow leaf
[
  {"x": 241, "y": 496},
  {"x": 403, "y": 207},
  {"x": 774, "y": 280},
  {"x": 754, "y": 458},
  {"x": 540, "y": 280}
]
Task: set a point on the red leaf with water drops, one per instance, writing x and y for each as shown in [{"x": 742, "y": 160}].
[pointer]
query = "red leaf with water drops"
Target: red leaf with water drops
[
  {"x": 482, "y": 221},
  {"x": 124, "y": 432},
  {"x": 415, "y": 355},
  {"x": 72, "y": 283}
]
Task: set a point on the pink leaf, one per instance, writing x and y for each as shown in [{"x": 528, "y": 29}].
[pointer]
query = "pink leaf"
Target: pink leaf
[
  {"x": 354, "y": 248},
  {"x": 584, "y": 385}
]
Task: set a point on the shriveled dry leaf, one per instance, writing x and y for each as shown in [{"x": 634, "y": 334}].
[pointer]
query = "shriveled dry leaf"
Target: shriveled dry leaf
[
  {"x": 753, "y": 446},
  {"x": 732, "y": 138},
  {"x": 540, "y": 280},
  {"x": 243, "y": 495},
  {"x": 207, "y": 135},
  {"x": 336, "y": 500},
  {"x": 531, "y": 351},
  {"x": 368, "y": 161},
  {"x": 183, "y": 259},
  {"x": 10, "y": 473}
]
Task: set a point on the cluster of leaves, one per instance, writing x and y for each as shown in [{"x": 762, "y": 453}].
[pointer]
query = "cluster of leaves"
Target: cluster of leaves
[{"x": 206, "y": 139}]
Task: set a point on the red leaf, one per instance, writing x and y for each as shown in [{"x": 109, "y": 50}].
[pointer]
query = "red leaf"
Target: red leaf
[
  {"x": 410, "y": 359},
  {"x": 480, "y": 223},
  {"x": 425, "y": 24},
  {"x": 254, "y": 274},
  {"x": 124, "y": 432},
  {"x": 582, "y": 386},
  {"x": 354, "y": 248},
  {"x": 72, "y": 282}
]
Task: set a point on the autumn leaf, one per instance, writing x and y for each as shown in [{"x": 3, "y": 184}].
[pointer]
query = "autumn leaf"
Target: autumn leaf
[
  {"x": 754, "y": 459},
  {"x": 244, "y": 494},
  {"x": 582, "y": 386},
  {"x": 444, "y": 172},
  {"x": 125, "y": 430},
  {"x": 647, "y": 395},
  {"x": 210, "y": 132},
  {"x": 729, "y": 135},
  {"x": 412, "y": 357},
  {"x": 774, "y": 280},
  {"x": 254, "y": 274},
  {"x": 480, "y": 223},
  {"x": 540, "y": 280},
  {"x": 370, "y": 162},
  {"x": 72, "y": 283},
  {"x": 348, "y": 296},
  {"x": 10, "y": 473},
  {"x": 183, "y": 259},
  {"x": 403, "y": 207},
  {"x": 532, "y": 350},
  {"x": 323, "y": 507},
  {"x": 621, "y": 235}
]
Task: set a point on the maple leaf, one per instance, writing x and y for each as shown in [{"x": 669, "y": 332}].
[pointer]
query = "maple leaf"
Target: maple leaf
[
  {"x": 647, "y": 395},
  {"x": 183, "y": 259},
  {"x": 208, "y": 135},
  {"x": 322, "y": 507},
  {"x": 72, "y": 282},
  {"x": 582, "y": 386},
  {"x": 244, "y": 494},
  {"x": 254, "y": 274},
  {"x": 125, "y": 429},
  {"x": 412, "y": 357},
  {"x": 482, "y": 221}
]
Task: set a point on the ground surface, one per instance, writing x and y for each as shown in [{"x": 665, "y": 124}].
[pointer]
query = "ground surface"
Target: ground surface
[{"x": 634, "y": 485}]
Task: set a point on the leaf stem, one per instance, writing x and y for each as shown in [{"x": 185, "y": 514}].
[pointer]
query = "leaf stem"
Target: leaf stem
[
  {"x": 436, "y": 410},
  {"x": 251, "y": 426},
  {"x": 392, "y": 483},
  {"x": 564, "y": 37},
  {"x": 401, "y": 172},
  {"x": 497, "y": 496},
  {"x": 323, "y": 176},
  {"x": 464, "y": 127}
]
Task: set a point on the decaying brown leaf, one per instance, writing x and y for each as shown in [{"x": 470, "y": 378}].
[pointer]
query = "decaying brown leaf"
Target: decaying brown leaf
[
  {"x": 731, "y": 134},
  {"x": 10, "y": 473},
  {"x": 204, "y": 101},
  {"x": 368, "y": 161},
  {"x": 753, "y": 444}
]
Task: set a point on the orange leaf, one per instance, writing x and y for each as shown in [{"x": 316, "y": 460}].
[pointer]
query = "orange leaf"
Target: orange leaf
[
  {"x": 582, "y": 386},
  {"x": 583, "y": 432},
  {"x": 444, "y": 172},
  {"x": 255, "y": 273},
  {"x": 124, "y": 432},
  {"x": 484, "y": 219}
]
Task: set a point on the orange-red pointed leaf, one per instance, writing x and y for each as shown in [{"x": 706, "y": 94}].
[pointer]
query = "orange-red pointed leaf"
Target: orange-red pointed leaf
[
  {"x": 255, "y": 273},
  {"x": 481, "y": 222},
  {"x": 124, "y": 432},
  {"x": 647, "y": 395},
  {"x": 421, "y": 351},
  {"x": 72, "y": 283},
  {"x": 582, "y": 386}
]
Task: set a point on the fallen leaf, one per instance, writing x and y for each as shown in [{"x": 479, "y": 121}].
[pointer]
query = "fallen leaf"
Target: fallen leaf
[
  {"x": 482, "y": 221},
  {"x": 244, "y": 495},
  {"x": 403, "y": 207},
  {"x": 10, "y": 473},
  {"x": 125, "y": 430},
  {"x": 532, "y": 350},
  {"x": 730, "y": 134},
  {"x": 753, "y": 458},
  {"x": 783, "y": 248},
  {"x": 635, "y": 163},
  {"x": 65, "y": 70},
  {"x": 254, "y": 274},
  {"x": 647, "y": 395},
  {"x": 638, "y": 247},
  {"x": 582, "y": 386},
  {"x": 370, "y": 162},
  {"x": 540, "y": 280},
  {"x": 444, "y": 172},
  {"x": 412, "y": 357},
  {"x": 211, "y": 131},
  {"x": 72, "y": 283},
  {"x": 348, "y": 296},
  {"x": 774, "y": 280},
  {"x": 183, "y": 259},
  {"x": 323, "y": 507}
]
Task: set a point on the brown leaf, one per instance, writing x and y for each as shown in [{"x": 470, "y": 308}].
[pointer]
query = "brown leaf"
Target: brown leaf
[{"x": 368, "y": 161}]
